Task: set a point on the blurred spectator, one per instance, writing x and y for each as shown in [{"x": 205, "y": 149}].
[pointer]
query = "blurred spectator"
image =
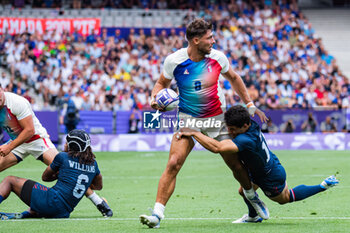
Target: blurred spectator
[
  {"x": 346, "y": 128},
  {"x": 77, "y": 4},
  {"x": 77, "y": 100},
  {"x": 309, "y": 126},
  {"x": 86, "y": 105},
  {"x": 328, "y": 126},
  {"x": 273, "y": 102},
  {"x": 288, "y": 127},
  {"x": 71, "y": 118},
  {"x": 4, "y": 80},
  {"x": 261, "y": 104},
  {"x": 269, "y": 127},
  {"x": 134, "y": 120}
]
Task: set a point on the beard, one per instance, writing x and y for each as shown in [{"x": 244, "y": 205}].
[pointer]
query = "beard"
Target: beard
[{"x": 204, "y": 50}]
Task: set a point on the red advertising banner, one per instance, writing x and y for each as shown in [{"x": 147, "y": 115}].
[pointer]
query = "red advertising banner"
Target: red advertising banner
[{"x": 85, "y": 26}]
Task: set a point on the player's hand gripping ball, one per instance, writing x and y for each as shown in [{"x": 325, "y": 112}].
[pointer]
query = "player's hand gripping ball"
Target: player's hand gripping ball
[{"x": 167, "y": 99}]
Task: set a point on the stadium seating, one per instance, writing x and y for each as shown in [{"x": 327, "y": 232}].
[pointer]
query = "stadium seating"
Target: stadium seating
[
  {"x": 332, "y": 26},
  {"x": 261, "y": 55},
  {"x": 95, "y": 121},
  {"x": 109, "y": 17}
]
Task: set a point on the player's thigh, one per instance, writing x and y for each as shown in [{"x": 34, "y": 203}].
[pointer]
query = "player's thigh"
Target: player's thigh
[
  {"x": 42, "y": 147},
  {"x": 274, "y": 183},
  {"x": 49, "y": 155},
  {"x": 16, "y": 184},
  {"x": 283, "y": 197},
  {"x": 213, "y": 127},
  {"x": 218, "y": 129},
  {"x": 45, "y": 202},
  {"x": 8, "y": 161},
  {"x": 179, "y": 150}
]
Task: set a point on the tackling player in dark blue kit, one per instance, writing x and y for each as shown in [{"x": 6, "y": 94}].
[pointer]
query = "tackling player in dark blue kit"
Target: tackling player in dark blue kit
[
  {"x": 75, "y": 170},
  {"x": 265, "y": 170}
]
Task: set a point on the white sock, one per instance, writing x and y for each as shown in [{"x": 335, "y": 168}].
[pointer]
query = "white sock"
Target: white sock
[
  {"x": 250, "y": 193},
  {"x": 95, "y": 198},
  {"x": 159, "y": 210}
]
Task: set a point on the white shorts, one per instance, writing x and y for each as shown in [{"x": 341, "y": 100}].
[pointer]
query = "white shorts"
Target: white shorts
[
  {"x": 213, "y": 127},
  {"x": 34, "y": 148}
]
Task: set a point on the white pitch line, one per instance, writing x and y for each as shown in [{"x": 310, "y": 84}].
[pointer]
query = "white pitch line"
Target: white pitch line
[{"x": 173, "y": 219}]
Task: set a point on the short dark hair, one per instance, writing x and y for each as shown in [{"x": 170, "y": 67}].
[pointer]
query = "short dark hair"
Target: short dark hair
[
  {"x": 237, "y": 116},
  {"x": 197, "y": 27}
]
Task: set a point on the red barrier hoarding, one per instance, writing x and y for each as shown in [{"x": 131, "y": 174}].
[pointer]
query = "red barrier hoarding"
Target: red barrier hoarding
[{"x": 85, "y": 26}]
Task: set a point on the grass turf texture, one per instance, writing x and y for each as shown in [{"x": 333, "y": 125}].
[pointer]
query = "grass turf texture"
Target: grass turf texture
[{"x": 205, "y": 198}]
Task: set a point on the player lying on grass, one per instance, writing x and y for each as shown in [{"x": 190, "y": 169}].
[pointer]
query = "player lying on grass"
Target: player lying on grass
[
  {"x": 75, "y": 170},
  {"x": 264, "y": 168},
  {"x": 29, "y": 137}
]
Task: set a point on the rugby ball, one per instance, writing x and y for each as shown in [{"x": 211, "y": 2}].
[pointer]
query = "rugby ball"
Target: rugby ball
[{"x": 167, "y": 99}]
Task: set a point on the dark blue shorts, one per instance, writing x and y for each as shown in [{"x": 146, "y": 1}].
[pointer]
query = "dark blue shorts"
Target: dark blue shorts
[
  {"x": 46, "y": 202},
  {"x": 274, "y": 182}
]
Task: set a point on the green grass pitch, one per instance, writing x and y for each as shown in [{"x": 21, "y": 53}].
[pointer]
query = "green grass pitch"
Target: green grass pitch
[{"x": 205, "y": 198}]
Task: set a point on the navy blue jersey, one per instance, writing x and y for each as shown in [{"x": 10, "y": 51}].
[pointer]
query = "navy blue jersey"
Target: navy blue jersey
[
  {"x": 254, "y": 153},
  {"x": 74, "y": 178}
]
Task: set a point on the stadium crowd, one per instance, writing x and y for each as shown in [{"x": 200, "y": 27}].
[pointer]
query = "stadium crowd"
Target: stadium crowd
[{"x": 273, "y": 48}]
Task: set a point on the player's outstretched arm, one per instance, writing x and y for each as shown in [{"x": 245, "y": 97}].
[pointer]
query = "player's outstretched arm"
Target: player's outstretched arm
[
  {"x": 210, "y": 143},
  {"x": 239, "y": 86},
  {"x": 161, "y": 83},
  {"x": 27, "y": 132},
  {"x": 49, "y": 174},
  {"x": 260, "y": 114},
  {"x": 97, "y": 183}
]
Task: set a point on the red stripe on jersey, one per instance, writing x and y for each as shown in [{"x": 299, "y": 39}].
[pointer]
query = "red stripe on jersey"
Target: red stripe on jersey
[
  {"x": 46, "y": 143},
  {"x": 35, "y": 137}
]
